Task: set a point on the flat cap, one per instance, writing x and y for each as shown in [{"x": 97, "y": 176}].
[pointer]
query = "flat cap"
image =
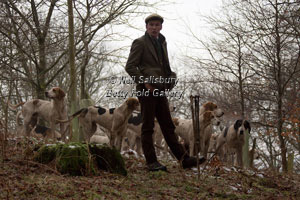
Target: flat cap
[{"x": 154, "y": 17}]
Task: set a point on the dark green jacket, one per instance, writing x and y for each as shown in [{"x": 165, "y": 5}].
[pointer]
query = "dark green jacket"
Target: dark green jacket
[{"x": 143, "y": 62}]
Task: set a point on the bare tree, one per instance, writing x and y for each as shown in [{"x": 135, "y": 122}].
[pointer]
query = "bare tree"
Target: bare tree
[
  {"x": 38, "y": 36},
  {"x": 75, "y": 132},
  {"x": 278, "y": 52},
  {"x": 36, "y": 33},
  {"x": 228, "y": 65},
  {"x": 256, "y": 54}
]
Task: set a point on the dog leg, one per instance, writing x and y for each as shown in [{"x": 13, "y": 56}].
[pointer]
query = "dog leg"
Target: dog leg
[
  {"x": 62, "y": 128},
  {"x": 202, "y": 143},
  {"x": 29, "y": 123},
  {"x": 220, "y": 148},
  {"x": 207, "y": 143},
  {"x": 89, "y": 128},
  {"x": 52, "y": 131},
  {"x": 205, "y": 150},
  {"x": 27, "y": 130},
  {"x": 192, "y": 144},
  {"x": 131, "y": 139},
  {"x": 120, "y": 142},
  {"x": 111, "y": 139},
  {"x": 88, "y": 134},
  {"x": 239, "y": 156},
  {"x": 119, "y": 139},
  {"x": 138, "y": 144}
]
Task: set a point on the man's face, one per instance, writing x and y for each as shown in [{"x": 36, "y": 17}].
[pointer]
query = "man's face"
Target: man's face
[{"x": 153, "y": 28}]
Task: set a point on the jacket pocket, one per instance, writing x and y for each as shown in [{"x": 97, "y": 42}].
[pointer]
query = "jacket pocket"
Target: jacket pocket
[{"x": 154, "y": 77}]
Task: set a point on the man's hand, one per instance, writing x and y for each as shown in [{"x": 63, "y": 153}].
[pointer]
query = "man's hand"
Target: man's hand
[{"x": 149, "y": 86}]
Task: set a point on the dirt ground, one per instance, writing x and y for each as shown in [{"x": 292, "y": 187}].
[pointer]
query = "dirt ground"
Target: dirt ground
[{"x": 22, "y": 178}]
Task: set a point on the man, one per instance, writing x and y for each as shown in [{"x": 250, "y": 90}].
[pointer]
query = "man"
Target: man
[{"x": 149, "y": 67}]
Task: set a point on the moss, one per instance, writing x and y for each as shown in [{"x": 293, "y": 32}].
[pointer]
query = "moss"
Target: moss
[
  {"x": 46, "y": 153},
  {"x": 74, "y": 158},
  {"x": 108, "y": 159}
]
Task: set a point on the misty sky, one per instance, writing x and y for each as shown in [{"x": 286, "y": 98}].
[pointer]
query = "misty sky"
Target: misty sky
[{"x": 179, "y": 17}]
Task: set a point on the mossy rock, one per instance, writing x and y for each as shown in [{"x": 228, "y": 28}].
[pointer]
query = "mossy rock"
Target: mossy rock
[
  {"x": 108, "y": 159},
  {"x": 74, "y": 158},
  {"x": 46, "y": 153}
]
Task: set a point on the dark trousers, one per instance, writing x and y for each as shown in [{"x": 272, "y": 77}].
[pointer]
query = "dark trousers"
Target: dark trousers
[{"x": 158, "y": 107}]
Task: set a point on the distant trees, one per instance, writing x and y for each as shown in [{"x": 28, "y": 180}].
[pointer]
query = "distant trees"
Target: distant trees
[
  {"x": 254, "y": 59},
  {"x": 37, "y": 32},
  {"x": 34, "y": 44}
]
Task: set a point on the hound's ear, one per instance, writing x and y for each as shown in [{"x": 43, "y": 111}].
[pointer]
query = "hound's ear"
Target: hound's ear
[
  {"x": 210, "y": 106},
  {"x": 208, "y": 116},
  {"x": 61, "y": 93},
  {"x": 128, "y": 102},
  {"x": 132, "y": 103},
  {"x": 175, "y": 121},
  {"x": 247, "y": 125},
  {"x": 237, "y": 124}
]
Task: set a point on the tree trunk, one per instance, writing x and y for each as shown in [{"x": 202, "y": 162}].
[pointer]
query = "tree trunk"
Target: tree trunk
[
  {"x": 290, "y": 162},
  {"x": 241, "y": 88},
  {"x": 41, "y": 86},
  {"x": 279, "y": 92},
  {"x": 75, "y": 129}
]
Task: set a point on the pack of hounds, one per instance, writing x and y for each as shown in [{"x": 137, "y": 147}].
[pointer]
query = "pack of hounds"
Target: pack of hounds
[{"x": 123, "y": 126}]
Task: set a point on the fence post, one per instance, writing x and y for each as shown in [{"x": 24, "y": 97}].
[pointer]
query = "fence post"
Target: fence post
[{"x": 196, "y": 127}]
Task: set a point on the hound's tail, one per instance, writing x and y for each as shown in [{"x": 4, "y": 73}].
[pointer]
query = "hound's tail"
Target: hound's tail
[
  {"x": 14, "y": 107},
  {"x": 82, "y": 112}
]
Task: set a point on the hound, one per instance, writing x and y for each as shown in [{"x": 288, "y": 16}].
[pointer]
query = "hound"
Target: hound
[
  {"x": 210, "y": 106},
  {"x": 205, "y": 135},
  {"x": 184, "y": 129},
  {"x": 115, "y": 120},
  {"x": 134, "y": 133},
  {"x": 232, "y": 138},
  {"x": 99, "y": 139},
  {"x": 40, "y": 131},
  {"x": 48, "y": 110}
]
